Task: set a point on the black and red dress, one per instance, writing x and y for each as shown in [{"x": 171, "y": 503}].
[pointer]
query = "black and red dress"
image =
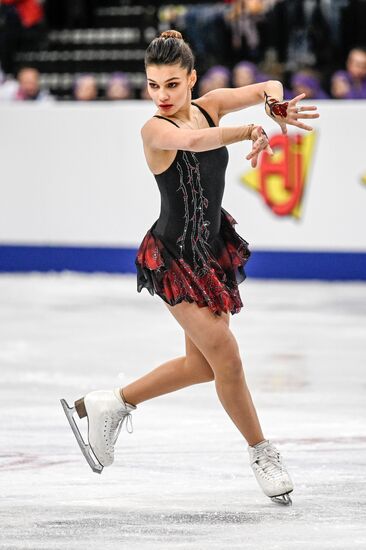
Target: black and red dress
[{"x": 192, "y": 251}]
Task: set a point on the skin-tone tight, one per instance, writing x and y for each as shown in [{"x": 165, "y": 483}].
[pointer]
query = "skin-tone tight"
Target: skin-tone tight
[{"x": 212, "y": 354}]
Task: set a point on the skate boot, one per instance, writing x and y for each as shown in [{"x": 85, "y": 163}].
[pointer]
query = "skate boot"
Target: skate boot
[
  {"x": 105, "y": 411},
  {"x": 271, "y": 474}
]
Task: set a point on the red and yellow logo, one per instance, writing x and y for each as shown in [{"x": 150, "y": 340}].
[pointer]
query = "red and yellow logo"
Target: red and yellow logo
[{"x": 281, "y": 178}]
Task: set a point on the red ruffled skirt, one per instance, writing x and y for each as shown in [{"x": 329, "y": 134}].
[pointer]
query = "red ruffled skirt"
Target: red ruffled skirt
[{"x": 171, "y": 277}]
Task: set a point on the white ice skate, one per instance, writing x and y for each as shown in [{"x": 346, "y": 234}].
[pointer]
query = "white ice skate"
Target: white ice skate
[
  {"x": 270, "y": 472},
  {"x": 105, "y": 411}
]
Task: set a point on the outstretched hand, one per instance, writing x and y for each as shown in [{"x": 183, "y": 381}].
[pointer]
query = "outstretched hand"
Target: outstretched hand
[
  {"x": 260, "y": 143},
  {"x": 288, "y": 112}
]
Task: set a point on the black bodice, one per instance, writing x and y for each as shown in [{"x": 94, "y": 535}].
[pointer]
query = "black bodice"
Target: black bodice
[{"x": 191, "y": 190}]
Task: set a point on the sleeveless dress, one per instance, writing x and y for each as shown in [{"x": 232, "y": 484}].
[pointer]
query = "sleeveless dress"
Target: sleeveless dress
[{"x": 192, "y": 251}]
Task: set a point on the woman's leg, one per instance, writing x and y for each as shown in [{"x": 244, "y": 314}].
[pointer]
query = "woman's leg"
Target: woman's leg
[
  {"x": 212, "y": 336},
  {"x": 173, "y": 375}
]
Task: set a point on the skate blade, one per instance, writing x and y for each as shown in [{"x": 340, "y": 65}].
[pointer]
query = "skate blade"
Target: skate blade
[
  {"x": 282, "y": 499},
  {"x": 85, "y": 449}
]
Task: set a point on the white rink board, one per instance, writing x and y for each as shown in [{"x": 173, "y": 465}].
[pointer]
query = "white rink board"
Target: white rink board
[{"x": 75, "y": 174}]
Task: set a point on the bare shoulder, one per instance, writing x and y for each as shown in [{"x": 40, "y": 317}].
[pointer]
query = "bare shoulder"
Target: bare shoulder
[
  {"x": 150, "y": 125},
  {"x": 157, "y": 122},
  {"x": 157, "y": 157}
]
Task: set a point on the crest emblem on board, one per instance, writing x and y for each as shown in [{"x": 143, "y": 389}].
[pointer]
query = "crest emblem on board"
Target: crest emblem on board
[{"x": 281, "y": 179}]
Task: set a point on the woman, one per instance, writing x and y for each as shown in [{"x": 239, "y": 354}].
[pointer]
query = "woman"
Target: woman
[{"x": 192, "y": 256}]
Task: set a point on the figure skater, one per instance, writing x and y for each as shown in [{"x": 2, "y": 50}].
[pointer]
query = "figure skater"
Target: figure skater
[{"x": 192, "y": 257}]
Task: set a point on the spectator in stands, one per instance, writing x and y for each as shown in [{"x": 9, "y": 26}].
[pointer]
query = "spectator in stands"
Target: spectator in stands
[
  {"x": 307, "y": 82},
  {"x": 217, "y": 76},
  {"x": 204, "y": 86},
  {"x": 22, "y": 26},
  {"x": 339, "y": 85},
  {"x": 351, "y": 83},
  {"x": 245, "y": 73},
  {"x": 144, "y": 93},
  {"x": 85, "y": 88},
  {"x": 29, "y": 86},
  {"x": 118, "y": 87}
]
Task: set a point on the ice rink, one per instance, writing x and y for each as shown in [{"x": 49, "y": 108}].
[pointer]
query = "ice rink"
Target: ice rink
[{"x": 182, "y": 479}]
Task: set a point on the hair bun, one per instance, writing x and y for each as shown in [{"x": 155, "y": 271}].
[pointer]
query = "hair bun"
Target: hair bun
[{"x": 171, "y": 34}]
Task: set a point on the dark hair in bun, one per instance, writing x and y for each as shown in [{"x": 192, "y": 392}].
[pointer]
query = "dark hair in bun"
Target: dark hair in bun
[
  {"x": 169, "y": 48},
  {"x": 171, "y": 34}
]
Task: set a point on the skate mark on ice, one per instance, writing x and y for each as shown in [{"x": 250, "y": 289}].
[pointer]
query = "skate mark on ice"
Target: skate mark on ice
[
  {"x": 153, "y": 522},
  {"x": 23, "y": 461}
]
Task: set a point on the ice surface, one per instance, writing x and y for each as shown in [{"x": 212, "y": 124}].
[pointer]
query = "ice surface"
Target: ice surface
[{"x": 182, "y": 479}]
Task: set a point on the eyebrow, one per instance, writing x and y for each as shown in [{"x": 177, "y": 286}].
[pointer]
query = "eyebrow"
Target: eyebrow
[{"x": 172, "y": 78}]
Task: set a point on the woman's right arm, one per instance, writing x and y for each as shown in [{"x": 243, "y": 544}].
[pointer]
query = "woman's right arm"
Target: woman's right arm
[{"x": 158, "y": 135}]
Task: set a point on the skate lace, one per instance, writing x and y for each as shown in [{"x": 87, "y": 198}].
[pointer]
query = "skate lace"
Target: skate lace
[
  {"x": 269, "y": 460},
  {"x": 117, "y": 424}
]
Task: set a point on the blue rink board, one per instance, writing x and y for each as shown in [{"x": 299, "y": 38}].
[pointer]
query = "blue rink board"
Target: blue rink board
[{"x": 262, "y": 263}]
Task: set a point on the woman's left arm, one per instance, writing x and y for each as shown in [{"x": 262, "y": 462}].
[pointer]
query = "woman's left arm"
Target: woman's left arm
[{"x": 227, "y": 100}]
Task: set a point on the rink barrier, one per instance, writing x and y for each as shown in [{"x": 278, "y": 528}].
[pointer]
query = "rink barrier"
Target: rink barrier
[{"x": 274, "y": 264}]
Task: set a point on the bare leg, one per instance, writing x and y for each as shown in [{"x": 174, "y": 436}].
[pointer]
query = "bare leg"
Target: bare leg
[
  {"x": 212, "y": 336},
  {"x": 173, "y": 375}
]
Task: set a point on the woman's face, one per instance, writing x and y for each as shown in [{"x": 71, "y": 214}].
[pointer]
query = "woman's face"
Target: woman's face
[{"x": 170, "y": 86}]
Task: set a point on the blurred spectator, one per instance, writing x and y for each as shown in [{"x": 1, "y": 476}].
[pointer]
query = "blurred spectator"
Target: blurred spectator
[
  {"x": 339, "y": 85},
  {"x": 144, "y": 93},
  {"x": 118, "y": 87},
  {"x": 29, "y": 87},
  {"x": 351, "y": 83},
  {"x": 246, "y": 18},
  {"x": 204, "y": 86},
  {"x": 307, "y": 82},
  {"x": 85, "y": 88},
  {"x": 22, "y": 25},
  {"x": 218, "y": 76},
  {"x": 245, "y": 73}
]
